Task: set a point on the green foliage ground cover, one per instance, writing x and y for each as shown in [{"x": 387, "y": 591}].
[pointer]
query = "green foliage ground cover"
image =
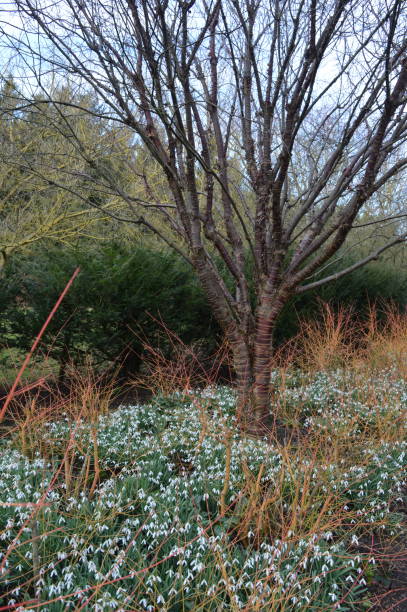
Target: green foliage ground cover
[{"x": 153, "y": 535}]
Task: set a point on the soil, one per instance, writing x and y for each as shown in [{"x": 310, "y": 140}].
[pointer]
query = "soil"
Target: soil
[{"x": 388, "y": 590}]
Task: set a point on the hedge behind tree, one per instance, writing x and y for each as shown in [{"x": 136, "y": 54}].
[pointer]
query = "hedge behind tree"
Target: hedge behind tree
[
  {"x": 377, "y": 283},
  {"x": 122, "y": 298}
]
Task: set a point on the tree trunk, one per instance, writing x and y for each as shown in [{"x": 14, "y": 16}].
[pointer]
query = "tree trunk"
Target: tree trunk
[
  {"x": 254, "y": 411},
  {"x": 253, "y": 362},
  {"x": 251, "y": 342},
  {"x": 243, "y": 365}
]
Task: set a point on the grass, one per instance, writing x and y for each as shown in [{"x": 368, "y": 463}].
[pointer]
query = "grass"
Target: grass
[{"x": 165, "y": 506}]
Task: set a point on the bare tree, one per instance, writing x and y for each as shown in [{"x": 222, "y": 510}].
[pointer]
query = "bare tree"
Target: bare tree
[{"x": 275, "y": 123}]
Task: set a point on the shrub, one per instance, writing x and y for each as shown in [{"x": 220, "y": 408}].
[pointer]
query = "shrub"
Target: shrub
[
  {"x": 122, "y": 299},
  {"x": 378, "y": 282}
]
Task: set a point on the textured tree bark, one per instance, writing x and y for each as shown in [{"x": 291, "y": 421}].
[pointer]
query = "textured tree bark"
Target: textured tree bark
[
  {"x": 253, "y": 363},
  {"x": 268, "y": 311},
  {"x": 243, "y": 357},
  {"x": 250, "y": 335},
  {"x": 254, "y": 411}
]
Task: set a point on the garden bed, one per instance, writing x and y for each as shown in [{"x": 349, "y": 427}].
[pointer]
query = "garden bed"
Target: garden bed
[{"x": 166, "y": 506}]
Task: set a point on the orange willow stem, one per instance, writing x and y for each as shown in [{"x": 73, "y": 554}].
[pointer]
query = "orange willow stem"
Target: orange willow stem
[{"x": 35, "y": 344}]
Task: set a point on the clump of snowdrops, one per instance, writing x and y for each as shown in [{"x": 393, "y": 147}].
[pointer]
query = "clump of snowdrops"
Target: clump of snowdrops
[{"x": 166, "y": 506}]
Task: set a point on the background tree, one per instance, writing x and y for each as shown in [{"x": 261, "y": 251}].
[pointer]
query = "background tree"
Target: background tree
[
  {"x": 36, "y": 157},
  {"x": 277, "y": 85}
]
